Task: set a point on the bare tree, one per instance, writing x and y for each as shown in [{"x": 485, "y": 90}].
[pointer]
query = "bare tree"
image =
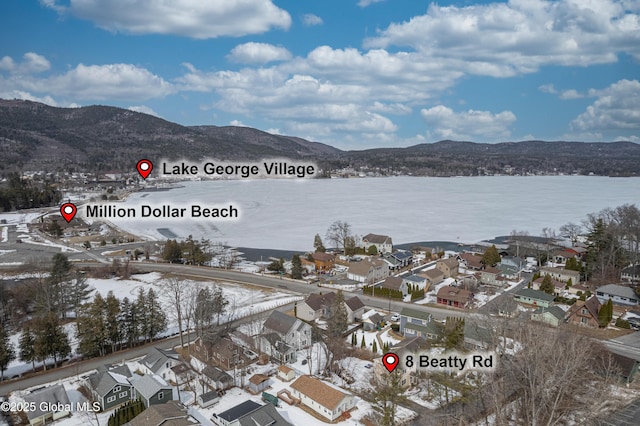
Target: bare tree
[
  {"x": 571, "y": 230},
  {"x": 176, "y": 288},
  {"x": 339, "y": 233},
  {"x": 555, "y": 376}
]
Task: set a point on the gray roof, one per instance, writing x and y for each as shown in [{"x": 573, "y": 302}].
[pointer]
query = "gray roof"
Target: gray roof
[
  {"x": 556, "y": 311},
  {"x": 618, "y": 290},
  {"x": 239, "y": 410},
  {"x": 157, "y": 358},
  {"x": 50, "y": 395},
  {"x": 393, "y": 283},
  {"x": 414, "y": 278},
  {"x": 105, "y": 380},
  {"x": 535, "y": 294},
  {"x": 414, "y": 313},
  {"x": 264, "y": 415},
  {"x": 216, "y": 374},
  {"x": 171, "y": 413},
  {"x": 377, "y": 239},
  {"x": 280, "y": 322},
  {"x": 354, "y": 303},
  {"x": 147, "y": 386},
  {"x": 316, "y": 300},
  {"x": 432, "y": 327}
]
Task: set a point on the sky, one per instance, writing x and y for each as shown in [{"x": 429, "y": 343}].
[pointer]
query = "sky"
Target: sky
[{"x": 354, "y": 74}]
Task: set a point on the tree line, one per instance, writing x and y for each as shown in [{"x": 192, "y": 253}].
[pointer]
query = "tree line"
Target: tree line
[{"x": 27, "y": 194}]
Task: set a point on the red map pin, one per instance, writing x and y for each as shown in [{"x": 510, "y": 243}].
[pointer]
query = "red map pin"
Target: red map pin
[
  {"x": 68, "y": 211},
  {"x": 144, "y": 168},
  {"x": 390, "y": 361}
]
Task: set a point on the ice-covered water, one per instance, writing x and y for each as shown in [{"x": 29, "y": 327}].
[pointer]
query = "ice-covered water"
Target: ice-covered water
[{"x": 286, "y": 214}]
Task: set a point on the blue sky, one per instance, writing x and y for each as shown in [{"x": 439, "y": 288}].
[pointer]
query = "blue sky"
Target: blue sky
[{"x": 351, "y": 73}]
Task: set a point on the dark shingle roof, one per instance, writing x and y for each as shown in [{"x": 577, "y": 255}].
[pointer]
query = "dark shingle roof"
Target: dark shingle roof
[
  {"x": 535, "y": 294},
  {"x": 354, "y": 303},
  {"x": 157, "y": 357},
  {"x": 280, "y": 322},
  {"x": 239, "y": 410},
  {"x": 50, "y": 395},
  {"x": 316, "y": 301},
  {"x": 377, "y": 239}
]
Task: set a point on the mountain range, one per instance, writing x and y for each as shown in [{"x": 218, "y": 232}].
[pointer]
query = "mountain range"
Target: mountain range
[{"x": 35, "y": 136}]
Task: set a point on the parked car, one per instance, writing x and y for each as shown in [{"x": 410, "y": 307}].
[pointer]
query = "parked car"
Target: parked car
[{"x": 395, "y": 317}]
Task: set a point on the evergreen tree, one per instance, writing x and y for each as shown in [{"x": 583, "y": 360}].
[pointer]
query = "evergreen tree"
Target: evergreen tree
[
  {"x": 111, "y": 315},
  {"x": 609, "y": 310},
  {"x": 547, "y": 285},
  {"x": 363, "y": 344},
  {"x": 172, "y": 252},
  {"x": 220, "y": 303},
  {"x": 603, "y": 315},
  {"x": 91, "y": 328},
  {"x": 317, "y": 244},
  {"x": 454, "y": 333},
  {"x": 491, "y": 256},
  {"x": 354, "y": 339},
  {"x": 374, "y": 347},
  {"x": 572, "y": 264},
  {"x": 296, "y": 268},
  {"x": 128, "y": 323},
  {"x": 7, "y": 351},
  {"x": 79, "y": 292},
  {"x": 372, "y": 250},
  {"x": 156, "y": 319},
  {"x": 25, "y": 345},
  {"x": 338, "y": 321},
  {"x": 51, "y": 340}
]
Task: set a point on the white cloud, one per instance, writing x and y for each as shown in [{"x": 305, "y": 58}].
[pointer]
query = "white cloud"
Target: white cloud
[
  {"x": 144, "y": 109},
  {"x": 617, "y": 108},
  {"x": 518, "y": 37},
  {"x": 26, "y": 96},
  {"x": 547, "y": 88},
  {"x": 467, "y": 125},
  {"x": 237, "y": 123},
  {"x": 190, "y": 18},
  {"x": 31, "y": 63},
  {"x": 365, "y": 3},
  {"x": 84, "y": 82},
  {"x": 571, "y": 94},
  {"x": 258, "y": 53},
  {"x": 311, "y": 20}
]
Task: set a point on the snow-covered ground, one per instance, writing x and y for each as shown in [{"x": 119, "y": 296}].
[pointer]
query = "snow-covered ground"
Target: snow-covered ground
[
  {"x": 276, "y": 214},
  {"x": 243, "y": 301}
]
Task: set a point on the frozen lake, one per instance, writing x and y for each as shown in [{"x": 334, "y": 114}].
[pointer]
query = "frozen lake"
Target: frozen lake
[{"x": 286, "y": 214}]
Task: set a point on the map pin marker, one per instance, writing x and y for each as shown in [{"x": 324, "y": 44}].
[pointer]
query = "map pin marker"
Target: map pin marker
[
  {"x": 144, "y": 168},
  {"x": 390, "y": 361},
  {"x": 68, "y": 211}
]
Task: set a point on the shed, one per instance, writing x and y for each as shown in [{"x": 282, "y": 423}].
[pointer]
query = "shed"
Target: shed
[
  {"x": 285, "y": 373},
  {"x": 258, "y": 383}
]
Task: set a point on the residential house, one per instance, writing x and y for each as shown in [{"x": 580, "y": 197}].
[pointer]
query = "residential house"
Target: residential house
[
  {"x": 411, "y": 345},
  {"x": 561, "y": 274},
  {"x": 492, "y": 276},
  {"x": 470, "y": 261},
  {"x": 574, "y": 289},
  {"x": 180, "y": 374},
  {"x": 433, "y": 277},
  {"x": 477, "y": 337},
  {"x": 368, "y": 270},
  {"x": 416, "y": 323},
  {"x": 316, "y": 306},
  {"x": 327, "y": 401},
  {"x": 416, "y": 282},
  {"x": 111, "y": 387},
  {"x": 396, "y": 283},
  {"x": 223, "y": 352},
  {"x": 631, "y": 274},
  {"x": 372, "y": 320},
  {"x": 513, "y": 262},
  {"x": 619, "y": 294},
  {"x": 283, "y": 335},
  {"x": 286, "y": 374},
  {"x": 250, "y": 413},
  {"x": 584, "y": 313},
  {"x": 552, "y": 315},
  {"x": 627, "y": 367},
  {"x": 151, "y": 389},
  {"x": 159, "y": 361},
  {"x": 258, "y": 383},
  {"x": 454, "y": 296},
  {"x": 558, "y": 286},
  {"x": 171, "y": 413},
  {"x": 403, "y": 258},
  {"x": 216, "y": 379},
  {"x": 49, "y": 404},
  {"x": 324, "y": 261},
  {"x": 561, "y": 256},
  {"x": 529, "y": 296},
  {"x": 508, "y": 272},
  {"x": 448, "y": 267},
  {"x": 382, "y": 243},
  {"x": 355, "y": 309}
]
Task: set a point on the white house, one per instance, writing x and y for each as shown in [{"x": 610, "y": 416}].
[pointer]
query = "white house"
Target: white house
[
  {"x": 368, "y": 271},
  {"x": 619, "y": 294},
  {"x": 383, "y": 243},
  {"x": 561, "y": 274},
  {"x": 326, "y": 400},
  {"x": 283, "y": 335}
]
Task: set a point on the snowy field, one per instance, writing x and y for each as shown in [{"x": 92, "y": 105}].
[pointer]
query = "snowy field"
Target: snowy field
[
  {"x": 242, "y": 302},
  {"x": 277, "y": 214}
]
